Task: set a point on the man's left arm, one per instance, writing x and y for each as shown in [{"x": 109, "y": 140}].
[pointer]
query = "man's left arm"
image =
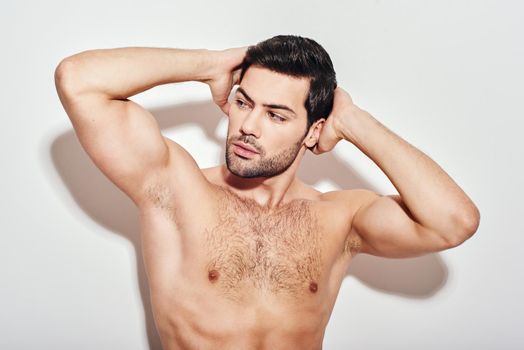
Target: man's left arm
[{"x": 431, "y": 213}]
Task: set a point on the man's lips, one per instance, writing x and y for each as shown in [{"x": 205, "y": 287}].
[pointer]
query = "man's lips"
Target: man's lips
[{"x": 245, "y": 146}]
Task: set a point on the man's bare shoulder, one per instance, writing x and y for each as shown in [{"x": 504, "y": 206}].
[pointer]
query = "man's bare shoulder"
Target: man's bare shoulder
[
  {"x": 340, "y": 203},
  {"x": 346, "y": 202},
  {"x": 212, "y": 174},
  {"x": 181, "y": 181},
  {"x": 349, "y": 198}
]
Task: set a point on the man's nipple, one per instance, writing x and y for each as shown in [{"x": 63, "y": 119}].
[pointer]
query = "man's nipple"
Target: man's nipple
[
  {"x": 313, "y": 287},
  {"x": 213, "y": 275}
]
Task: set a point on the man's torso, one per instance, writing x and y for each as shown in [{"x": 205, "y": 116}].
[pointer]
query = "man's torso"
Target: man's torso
[{"x": 224, "y": 271}]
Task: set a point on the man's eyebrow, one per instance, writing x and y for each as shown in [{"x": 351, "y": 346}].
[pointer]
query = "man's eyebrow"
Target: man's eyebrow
[{"x": 270, "y": 105}]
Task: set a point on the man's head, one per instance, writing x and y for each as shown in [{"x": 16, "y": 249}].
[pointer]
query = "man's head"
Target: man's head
[{"x": 286, "y": 91}]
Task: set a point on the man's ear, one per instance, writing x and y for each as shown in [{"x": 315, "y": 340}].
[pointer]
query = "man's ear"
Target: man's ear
[{"x": 314, "y": 133}]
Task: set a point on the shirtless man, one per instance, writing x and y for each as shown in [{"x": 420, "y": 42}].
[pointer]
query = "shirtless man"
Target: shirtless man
[{"x": 245, "y": 255}]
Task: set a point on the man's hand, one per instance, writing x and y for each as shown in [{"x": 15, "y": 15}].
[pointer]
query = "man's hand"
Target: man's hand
[
  {"x": 334, "y": 127},
  {"x": 226, "y": 75}
]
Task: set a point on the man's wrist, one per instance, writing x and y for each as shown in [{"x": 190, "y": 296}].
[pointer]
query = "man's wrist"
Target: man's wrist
[
  {"x": 207, "y": 62},
  {"x": 351, "y": 124}
]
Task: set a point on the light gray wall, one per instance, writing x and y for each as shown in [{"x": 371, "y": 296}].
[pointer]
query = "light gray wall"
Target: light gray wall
[{"x": 444, "y": 75}]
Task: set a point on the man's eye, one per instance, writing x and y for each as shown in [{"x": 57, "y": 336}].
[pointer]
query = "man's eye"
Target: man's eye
[
  {"x": 273, "y": 116},
  {"x": 279, "y": 118},
  {"x": 240, "y": 103}
]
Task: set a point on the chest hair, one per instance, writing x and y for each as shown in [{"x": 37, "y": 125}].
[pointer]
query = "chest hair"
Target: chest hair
[{"x": 250, "y": 247}]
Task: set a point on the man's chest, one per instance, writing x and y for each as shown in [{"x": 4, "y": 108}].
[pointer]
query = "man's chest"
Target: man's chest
[
  {"x": 278, "y": 253},
  {"x": 239, "y": 249}
]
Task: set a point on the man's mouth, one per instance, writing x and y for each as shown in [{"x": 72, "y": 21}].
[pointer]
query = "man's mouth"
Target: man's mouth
[
  {"x": 244, "y": 150},
  {"x": 245, "y": 146}
]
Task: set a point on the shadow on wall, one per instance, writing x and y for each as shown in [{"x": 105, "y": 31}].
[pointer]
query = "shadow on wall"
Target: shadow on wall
[{"x": 419, "y": 277}]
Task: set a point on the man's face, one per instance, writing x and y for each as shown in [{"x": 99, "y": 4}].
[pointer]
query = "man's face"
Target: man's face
[{"x": 256, "y": 119}]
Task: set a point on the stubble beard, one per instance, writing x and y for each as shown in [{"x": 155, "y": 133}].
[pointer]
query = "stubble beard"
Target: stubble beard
[{"x": 260, "y": 165}]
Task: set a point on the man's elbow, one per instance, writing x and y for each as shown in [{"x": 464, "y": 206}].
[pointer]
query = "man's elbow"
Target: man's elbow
[
  {"x": 63, "y": 76},
  {"x": 471, "y": 221},
  {"x": 71, "y": 75},
  {"x": 468, "y": 223}
]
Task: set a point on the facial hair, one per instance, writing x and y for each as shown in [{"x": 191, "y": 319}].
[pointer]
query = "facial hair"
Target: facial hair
[{"x": 260, "y": 165}]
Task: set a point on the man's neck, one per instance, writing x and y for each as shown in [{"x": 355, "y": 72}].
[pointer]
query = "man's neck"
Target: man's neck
[{"x": 270, "y": 192}]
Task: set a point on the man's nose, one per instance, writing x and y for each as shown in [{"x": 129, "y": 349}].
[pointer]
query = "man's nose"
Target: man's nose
[{"x": 250, "y": 124}]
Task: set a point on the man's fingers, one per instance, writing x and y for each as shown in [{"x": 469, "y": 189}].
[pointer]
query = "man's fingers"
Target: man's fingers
[{"x": 236, "y": 76}]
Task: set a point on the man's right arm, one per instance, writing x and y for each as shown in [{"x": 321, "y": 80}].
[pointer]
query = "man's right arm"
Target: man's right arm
[{"x": 122, "y": 138}]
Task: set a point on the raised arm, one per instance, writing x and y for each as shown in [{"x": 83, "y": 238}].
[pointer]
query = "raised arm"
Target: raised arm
[
  {"x": 122, "y": 138},
  {"x": 431, "y": 212}
]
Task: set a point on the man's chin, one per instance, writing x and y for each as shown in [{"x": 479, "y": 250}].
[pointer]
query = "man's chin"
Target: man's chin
[
  {"x": 239, "y": 172},
  {"x": 242, "y": 171}
]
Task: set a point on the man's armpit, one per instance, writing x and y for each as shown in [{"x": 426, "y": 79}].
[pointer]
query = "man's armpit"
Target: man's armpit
[{"x": 353, "y": 244}]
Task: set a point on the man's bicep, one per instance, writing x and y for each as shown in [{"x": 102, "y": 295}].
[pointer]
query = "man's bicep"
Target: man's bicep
[
  {"x": 387, "y": 229},
  {"x": 122, "y": 139}
]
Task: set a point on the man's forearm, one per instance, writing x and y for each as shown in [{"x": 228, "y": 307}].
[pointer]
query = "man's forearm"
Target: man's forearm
[
  {"x": 432, "y": 197},
  {"x": 123, "y": 72}
]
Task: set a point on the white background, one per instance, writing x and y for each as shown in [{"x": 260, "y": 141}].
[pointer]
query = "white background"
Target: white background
[{"x": 444, "y": 75}]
